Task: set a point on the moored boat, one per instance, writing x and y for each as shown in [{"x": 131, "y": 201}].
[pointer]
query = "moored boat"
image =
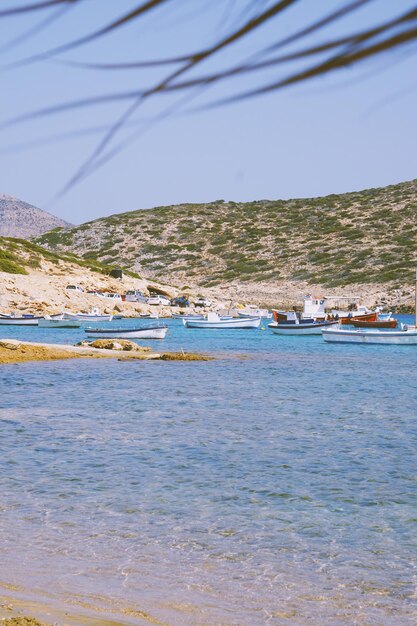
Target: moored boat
[
  {"x": 53, "y": 322},
  {"x": 405, "y": 336},
  {"x": 309, "y": 322},
  {"x": 389, "y": 323},
  {"x": 24, "y": 320},
  {"x": 93, "y": 316},
  {"x": 213, "y": 320},
  {"x": 186, "y": 316},
  {"x": 291, "y": 324},
  {"x": 359, "y": 317},
  {"x": 144, "y": 332}
]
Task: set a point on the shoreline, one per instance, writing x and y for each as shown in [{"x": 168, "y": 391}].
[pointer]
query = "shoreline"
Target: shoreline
[
  {"x": 15, "y": 351},
  {"x": 20, "y": 607}
]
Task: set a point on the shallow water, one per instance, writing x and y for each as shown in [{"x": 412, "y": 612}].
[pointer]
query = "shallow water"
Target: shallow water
[{"x": 278, "y": 488}]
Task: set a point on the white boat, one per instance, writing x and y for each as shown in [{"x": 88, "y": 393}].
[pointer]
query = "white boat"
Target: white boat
[
  {"x": 406, "y": 336},
  {"x": 93, "y": 316},
  {"x": 314, "y": 308},
  {"x": 215, "y": 321},
  {"x": 291, "y": 323},
  {"x": 55, "y": 322},
  {"x": 299, "y": 327},
  {"x": 144, "y": 332},
  {"x": 26, "y": 320}
]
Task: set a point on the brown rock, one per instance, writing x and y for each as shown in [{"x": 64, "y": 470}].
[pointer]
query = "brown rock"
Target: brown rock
[
  {"x": 117, "y": 344},
  {"x": 8, "y": 346}
]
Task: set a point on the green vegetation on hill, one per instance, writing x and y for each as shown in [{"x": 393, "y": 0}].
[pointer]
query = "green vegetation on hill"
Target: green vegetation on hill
[
  {"x": 18, "y": 255},
  {"x": 337, "y": 240}
]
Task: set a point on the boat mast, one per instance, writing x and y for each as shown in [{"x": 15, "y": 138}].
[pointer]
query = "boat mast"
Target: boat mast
[{"x": 415, "y": 318}]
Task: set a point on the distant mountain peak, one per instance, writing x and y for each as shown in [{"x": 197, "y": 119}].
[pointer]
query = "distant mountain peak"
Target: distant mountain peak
[{"x": 20, "y": 219}]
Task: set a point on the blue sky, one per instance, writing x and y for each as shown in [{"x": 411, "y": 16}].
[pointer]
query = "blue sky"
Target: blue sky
[{"x": 341, "y": 133}]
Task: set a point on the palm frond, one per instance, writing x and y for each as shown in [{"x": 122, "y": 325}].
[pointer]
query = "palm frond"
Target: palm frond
[{"x": 295, "y": 58}]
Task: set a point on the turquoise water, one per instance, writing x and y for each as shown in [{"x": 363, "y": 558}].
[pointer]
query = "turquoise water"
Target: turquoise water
[{"x": 274, "y": 488}]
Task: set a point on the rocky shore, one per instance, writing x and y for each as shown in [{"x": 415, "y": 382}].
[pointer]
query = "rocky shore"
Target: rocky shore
[{"x": 14, "y": 351}]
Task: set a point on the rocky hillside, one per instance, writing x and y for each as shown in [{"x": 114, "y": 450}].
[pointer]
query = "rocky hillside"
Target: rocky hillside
[
  {"x": 34, "y": 280},
  {"x": 362, "y": 238},
  {"x": 20, "y": 219}
]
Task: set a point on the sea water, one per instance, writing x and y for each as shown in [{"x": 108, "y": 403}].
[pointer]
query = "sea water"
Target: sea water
[{"x": 275, "y": 484}]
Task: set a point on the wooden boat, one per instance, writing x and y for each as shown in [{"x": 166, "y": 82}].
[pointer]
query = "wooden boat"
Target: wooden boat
[
  {"x": 93, "y": 316},
  {"x": 295, "y": 325},
  {"x": 390, "y": 323},
  {"x": 213, "y": 321},
  {"x": 405, "y": 336},
  {"x": 143, "y": 332},
  {"x": 364, "y": 317},
  {"x": 50, "y": 322},
  {"x": 24, "y": 320}
]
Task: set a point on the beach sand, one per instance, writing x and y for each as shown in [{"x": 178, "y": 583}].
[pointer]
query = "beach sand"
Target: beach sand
[{"x": 20, "y": 608}]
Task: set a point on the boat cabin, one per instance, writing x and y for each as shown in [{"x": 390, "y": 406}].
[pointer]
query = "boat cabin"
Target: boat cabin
[{"x": 313, "y": 308}]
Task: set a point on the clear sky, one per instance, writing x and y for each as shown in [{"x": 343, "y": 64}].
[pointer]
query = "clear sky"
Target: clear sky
[{"x": 335, "y": 134}]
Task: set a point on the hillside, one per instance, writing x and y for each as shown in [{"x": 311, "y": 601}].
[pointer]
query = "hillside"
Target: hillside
[
  {"x": 34, "y": 280},
  {"x": 20, "y": 219},
  {"x": 365, "y": 238}
]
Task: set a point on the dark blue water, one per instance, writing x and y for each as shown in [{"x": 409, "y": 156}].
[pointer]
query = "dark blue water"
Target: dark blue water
[{"x": 275, "y": 485}]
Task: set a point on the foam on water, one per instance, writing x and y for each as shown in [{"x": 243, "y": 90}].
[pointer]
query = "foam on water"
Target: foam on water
[{"x": 269, "y": 490}]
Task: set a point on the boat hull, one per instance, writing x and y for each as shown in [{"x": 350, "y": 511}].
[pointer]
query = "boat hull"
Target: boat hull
[
  {"x": 222, "y": 324},
  {"x": 366, "y": 317},
  {"x": 377, "y": 324},
  {"x": 20, "y": 321},
  {"x": 381, "y": 337},
  {"x": 255, "y": 313},
  {"x": 62, "y": 323},
  {"x": 179, "y": 316},
  {"x": 299, "y": 329},
  {"x": 158, "y": 332},
  {"x": 85, "y": 317}
]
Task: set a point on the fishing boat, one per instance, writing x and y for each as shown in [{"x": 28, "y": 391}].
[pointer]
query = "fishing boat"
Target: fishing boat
[
  {"x": 54, "y": 322},
  {"x": 360, "y": 313},
  {"x": 404, "y": 336},
  {"x": 24, "y": 320},
  {"x": 292, "y": 324},
  {"x": 313, "y": 310},
  {"x": 213, "y": 320},
  {"x": 144, "y": 332},
  {"x": 372, "y": 316},
  {"x": 380, "y": 323},
  {"x": 93, "y": 316}
]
